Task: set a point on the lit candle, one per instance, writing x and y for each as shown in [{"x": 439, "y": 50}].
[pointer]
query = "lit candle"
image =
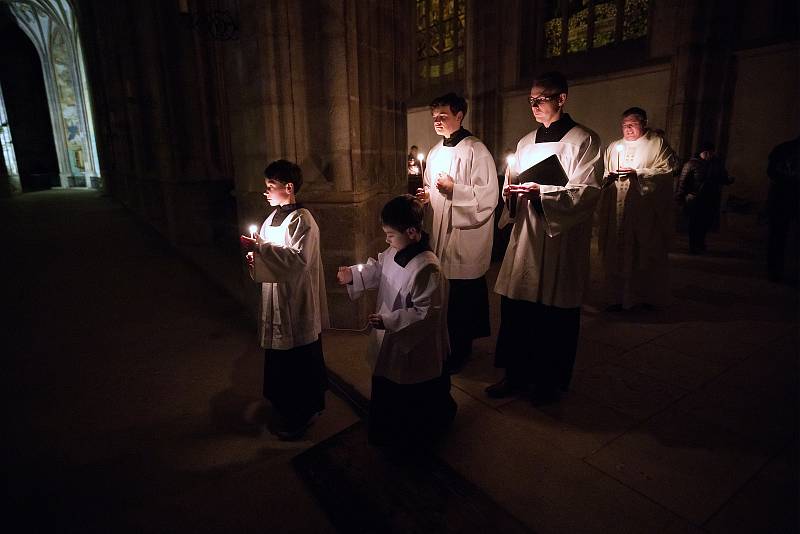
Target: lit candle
[
  {"x": 253, "y": 230},
  {"x": 360, "y": 268},
  {"x": 620, "y": 147},
  {"x": 511, "y": 160},
  {"x": 420, "y": 157}
]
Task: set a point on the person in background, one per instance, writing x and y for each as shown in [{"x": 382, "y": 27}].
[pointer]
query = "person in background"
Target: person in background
[
  {"x": 635, "y": 215},
  {"x": 782, "y": 200},
  {"x": 415, "y": 169},
  {"x": 699, "y": 191}
]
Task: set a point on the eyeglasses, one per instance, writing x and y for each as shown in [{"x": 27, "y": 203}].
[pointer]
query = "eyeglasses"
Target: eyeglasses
[{"x": 538, "y": 101}]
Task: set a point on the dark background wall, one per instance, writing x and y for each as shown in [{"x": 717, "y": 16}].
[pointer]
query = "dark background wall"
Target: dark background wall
[{"x": 26, "y": 103}]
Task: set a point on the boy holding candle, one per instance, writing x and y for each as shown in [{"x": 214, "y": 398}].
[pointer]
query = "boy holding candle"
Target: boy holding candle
[
  {"x": 285, "y": 257},
  {"x": 460, "y": 193},
  {"x": 410, "y": 402}
]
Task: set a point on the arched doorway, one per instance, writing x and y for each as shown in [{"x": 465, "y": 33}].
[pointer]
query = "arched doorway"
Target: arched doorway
[{"x": 52, "y": 27}]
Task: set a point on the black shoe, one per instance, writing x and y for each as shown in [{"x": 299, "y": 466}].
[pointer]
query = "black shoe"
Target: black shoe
[
  {"x": 504, "y": 388},
  {"x": 295, "y": 431}
]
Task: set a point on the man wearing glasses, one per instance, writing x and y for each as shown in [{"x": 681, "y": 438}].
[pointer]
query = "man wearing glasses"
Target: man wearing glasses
[
  {"x": 546, "y": 264},
  {"x": 635, "y": 215}
]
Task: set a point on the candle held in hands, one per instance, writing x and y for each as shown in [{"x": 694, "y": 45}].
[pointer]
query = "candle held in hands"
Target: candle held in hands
[
  {"x": 360, "y": 268},
  {"x": 620, "y": 147},
  {"x": 511, "y": 160},
  {"x": 253, "y": 229}
]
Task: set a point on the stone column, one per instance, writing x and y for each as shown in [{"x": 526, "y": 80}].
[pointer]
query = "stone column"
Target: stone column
[
  {"x": 703, "y": 75},
  {"x": 323, "y": 83}
]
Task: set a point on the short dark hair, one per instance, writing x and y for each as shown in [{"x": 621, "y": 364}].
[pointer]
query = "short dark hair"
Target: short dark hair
[
  {"x": 402, "y": 212},
  {"x": 639, "y": 112},
  {"x": 453, "y": 101},
  {"x": 552, "y": 81},
  {"x": 285, "y": 171},
  {"x": 707, "y": 146}
]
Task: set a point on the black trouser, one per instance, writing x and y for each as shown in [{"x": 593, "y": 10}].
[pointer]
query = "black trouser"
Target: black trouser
[
  {"x": 779, "y": 224},
  {"x": 701, "y": 217},
  {"x": 537, "y": 343},
  {"x": 467, "y": 317},
  {"x": 409, "y": 414},
  {"x": 295, "y": 381}
]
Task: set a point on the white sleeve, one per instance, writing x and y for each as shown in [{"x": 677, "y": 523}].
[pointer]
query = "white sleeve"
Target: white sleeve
[
  {"x": 425, "y": 299},
  {"x": 574, "y": 203},
  {"x": 275, "y": 262},
  {"x": 474, "y": 202},
  {"x": 368, "y": 278}
]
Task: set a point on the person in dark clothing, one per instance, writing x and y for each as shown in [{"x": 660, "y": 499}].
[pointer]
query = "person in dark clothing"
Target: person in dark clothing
[
  {"x": 782, "y": 202},
  {"x": 415, "y": 168},
  {"x": 699, "y": 190}
]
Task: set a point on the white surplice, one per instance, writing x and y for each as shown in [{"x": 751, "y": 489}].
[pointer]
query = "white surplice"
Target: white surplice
[
  {"x": 412, "y": 301},
  {"x": 294, "y": 307},
  {"x": 635, "y": 223},
  {"x": 461, "y": 227},
  {"x": 547, "y": 259}
]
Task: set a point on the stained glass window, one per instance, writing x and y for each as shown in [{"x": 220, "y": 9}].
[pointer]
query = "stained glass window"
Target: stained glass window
[
  {"x": 440, "y": 40},
  {"x": 591, "y": 24}
]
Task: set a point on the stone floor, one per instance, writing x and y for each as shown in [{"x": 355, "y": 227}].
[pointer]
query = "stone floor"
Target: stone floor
[{"x": 130, "y": 378}]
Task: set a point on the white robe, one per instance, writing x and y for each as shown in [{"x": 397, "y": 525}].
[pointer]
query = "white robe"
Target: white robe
[
  {"x": 294, "y": 307},
  {"x": 412, "y": 301},
  {"x": 635, "y": 222},
  {"x": 461, "y": 228},
  {"x": 547, "y": 259}
]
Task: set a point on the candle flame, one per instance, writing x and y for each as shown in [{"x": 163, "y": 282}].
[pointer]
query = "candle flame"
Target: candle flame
[
  {"x": 253, "y": 229},
  {"x": 620, "y": 147},
  {"x": 360, "y": 267},
  {"x": 420, "y": 156},
  {"x": 511, "y": 159}
]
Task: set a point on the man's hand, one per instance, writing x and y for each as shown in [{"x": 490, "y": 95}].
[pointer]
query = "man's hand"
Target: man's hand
[
  {"x": 423, "y": 195},
  {"x": 445, "y": 183},
  {"x": 530, "y": 189},
  {"x": 376, "y": 321},
  {"x": 627, "y": 173},
  {"x": 344, "y": 276}
]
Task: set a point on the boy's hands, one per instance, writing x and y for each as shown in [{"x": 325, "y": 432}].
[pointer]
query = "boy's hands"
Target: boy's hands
[
  {"x": 376, "y": 321},
  {"x": 344, "y": 276}
]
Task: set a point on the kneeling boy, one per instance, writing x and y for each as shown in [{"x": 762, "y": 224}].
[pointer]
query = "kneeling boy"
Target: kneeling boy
[{"x": 411, "y": 402}]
